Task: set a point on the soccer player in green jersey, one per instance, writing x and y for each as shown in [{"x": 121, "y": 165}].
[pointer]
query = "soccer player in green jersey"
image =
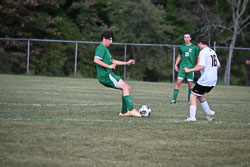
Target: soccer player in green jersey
[
  {"x": 104, "y": 65},
  {"x": 188, "y": 53}
]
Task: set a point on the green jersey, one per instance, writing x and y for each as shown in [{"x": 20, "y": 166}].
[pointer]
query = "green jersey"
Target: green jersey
[
  {"x": 188, "y": 55},
  {"x": 103, "y": 54}
]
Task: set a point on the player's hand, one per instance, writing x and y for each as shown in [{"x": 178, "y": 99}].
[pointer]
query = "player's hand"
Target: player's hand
[
  {"x": 131, "y": 61},
  {"x": 112, "y": 66},
  {"x": 187, "y": 70},
  {"x": 176, "y": 68}
]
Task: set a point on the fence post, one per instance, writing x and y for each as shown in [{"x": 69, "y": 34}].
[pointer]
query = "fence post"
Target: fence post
[
  {"x": 173, "y": 64},
  {"x": 28, "y": 57},
  {"x": 75, "y": 58},
  {"x": 214, "y": 46},
  {"x": 125, "y": 59}
]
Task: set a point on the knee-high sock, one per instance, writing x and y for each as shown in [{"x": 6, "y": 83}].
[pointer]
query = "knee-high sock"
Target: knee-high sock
[
  {"x": 192, "y": 111},
  {"x": 205, "y": 107},
  {"x": 129, "y": 102},
  {"x": 124, "y": 106},
  {"x": 175, "y": 94}
]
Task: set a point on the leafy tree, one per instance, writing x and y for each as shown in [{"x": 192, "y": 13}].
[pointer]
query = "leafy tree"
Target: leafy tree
[
  {"x": 53, "y": 60},
  {"x": 136, "y": 21},
  {"x": 179, "y": 20},
  {"x": 226, "y": 20},
  {"x": 240, "y": 21},
  {"x": 25, "y": 19},
  {"x": 139, "y": 22}
]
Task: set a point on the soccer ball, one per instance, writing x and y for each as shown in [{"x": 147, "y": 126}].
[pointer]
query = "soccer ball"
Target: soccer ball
[{"x": 145, "y": 111}]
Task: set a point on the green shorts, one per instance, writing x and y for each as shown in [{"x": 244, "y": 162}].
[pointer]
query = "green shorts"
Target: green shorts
[
  {"x": 110, "y": 81},
  {"x": 182, "y": 75}
]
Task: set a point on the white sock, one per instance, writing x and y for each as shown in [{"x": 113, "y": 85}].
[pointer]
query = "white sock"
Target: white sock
[
  {"x": 205, "y": 107},
  {"x": 192, "y": 111}
]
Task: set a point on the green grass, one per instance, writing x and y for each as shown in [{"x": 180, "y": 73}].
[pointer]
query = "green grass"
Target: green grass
[{"x": 51, "y": 121}]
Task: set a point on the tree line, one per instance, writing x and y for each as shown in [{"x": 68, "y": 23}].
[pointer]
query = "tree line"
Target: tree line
[{"x": 133, "y": 21}]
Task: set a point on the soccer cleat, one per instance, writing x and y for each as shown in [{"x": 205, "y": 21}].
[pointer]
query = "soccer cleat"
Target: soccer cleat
[
  {"x": 134, "y": 113},
  {"x": 212, "y": 113},
  {"x": 125, "y": 114},
  {"x": 209, "y": 117},
  {"x": 173, "y": 102},
  {"x": 190, "y": 119}
]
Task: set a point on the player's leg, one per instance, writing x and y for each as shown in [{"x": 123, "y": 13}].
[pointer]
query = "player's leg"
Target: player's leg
[
  {"x": 181, "y": 75},
  {"x": 124, "y": 111},
  {"x": 193, "y": 104},
  {"x": 192, "y": 108},
  {"x": 176, "y": 90},
  {"x": 124, "y": 107},
  {"x": 190, "y": 78},
  {"x": 190, "y": 86},
  {"x": 116, "y": 82},
  {"x": 204, "y": 104},
  {"x": 126, "y": 89}
]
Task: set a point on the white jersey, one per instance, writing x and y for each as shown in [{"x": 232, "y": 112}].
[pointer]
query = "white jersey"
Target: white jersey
[{"x": 209, "y": 59}]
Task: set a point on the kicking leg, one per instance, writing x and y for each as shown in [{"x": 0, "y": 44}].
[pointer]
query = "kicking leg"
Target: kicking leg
[
  {"x": 126, "y": 89},
  {"x": 206, "y": 108}
]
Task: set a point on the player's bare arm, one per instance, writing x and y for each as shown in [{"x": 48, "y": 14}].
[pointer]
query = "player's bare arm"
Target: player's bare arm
[
  {"x": 177, "y": 62},
  {"x": 196, "y": 68},
  {"x": 99, "y": 62},
  {"x": 117, "y": 62}
]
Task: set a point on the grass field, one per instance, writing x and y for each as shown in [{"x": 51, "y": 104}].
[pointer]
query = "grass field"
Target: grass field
[{"x": 51, "y": 121}]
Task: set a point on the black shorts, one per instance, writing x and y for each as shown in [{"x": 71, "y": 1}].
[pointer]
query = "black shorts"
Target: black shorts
[{"x": 200, "y": 90}]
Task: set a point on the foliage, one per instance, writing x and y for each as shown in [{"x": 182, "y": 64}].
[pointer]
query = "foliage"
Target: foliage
[
  {"x": 136, "y": 21},
  {"x": 140, "y": 21}
]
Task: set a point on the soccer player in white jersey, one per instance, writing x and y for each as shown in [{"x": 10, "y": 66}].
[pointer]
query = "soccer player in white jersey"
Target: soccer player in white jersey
[{"x": 208, "y": 66}]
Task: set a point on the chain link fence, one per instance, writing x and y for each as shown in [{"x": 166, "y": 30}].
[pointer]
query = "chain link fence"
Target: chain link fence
[{"x": 154, "y": 62}]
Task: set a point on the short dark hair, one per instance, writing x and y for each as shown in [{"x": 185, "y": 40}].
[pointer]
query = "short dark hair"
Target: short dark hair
[
  {"x": 108, "y": 34},
  {"x": 187, "y": 34},
  {"x": 202, "y": 39}
]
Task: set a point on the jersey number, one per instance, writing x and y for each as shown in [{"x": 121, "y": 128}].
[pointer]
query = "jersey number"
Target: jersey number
[{"x": 214, "y": 61}]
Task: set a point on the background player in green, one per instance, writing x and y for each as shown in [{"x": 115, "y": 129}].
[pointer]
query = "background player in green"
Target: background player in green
[
  {"x": 104, "y": 65},
  {"x": 188, "y": 53}
]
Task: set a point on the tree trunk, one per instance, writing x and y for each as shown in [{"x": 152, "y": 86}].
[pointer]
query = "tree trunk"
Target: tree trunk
[
  {"x": 228, "y": 66},
  {"x": 237, "y": 13},
  {"x": 229, "y": 59}
]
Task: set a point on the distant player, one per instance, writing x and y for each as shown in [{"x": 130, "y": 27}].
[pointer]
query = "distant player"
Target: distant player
[
  {"x": 104, "y": 65},
  {"x": 188, "y": 53},
  {"x": 208, "y": 66}
]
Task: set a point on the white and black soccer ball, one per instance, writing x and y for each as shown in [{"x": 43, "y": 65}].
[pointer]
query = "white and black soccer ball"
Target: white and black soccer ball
[{"x": 145, "y": 111}]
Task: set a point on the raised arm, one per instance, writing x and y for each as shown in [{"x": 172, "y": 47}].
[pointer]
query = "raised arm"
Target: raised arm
[{"x": 117, "y": 62}]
